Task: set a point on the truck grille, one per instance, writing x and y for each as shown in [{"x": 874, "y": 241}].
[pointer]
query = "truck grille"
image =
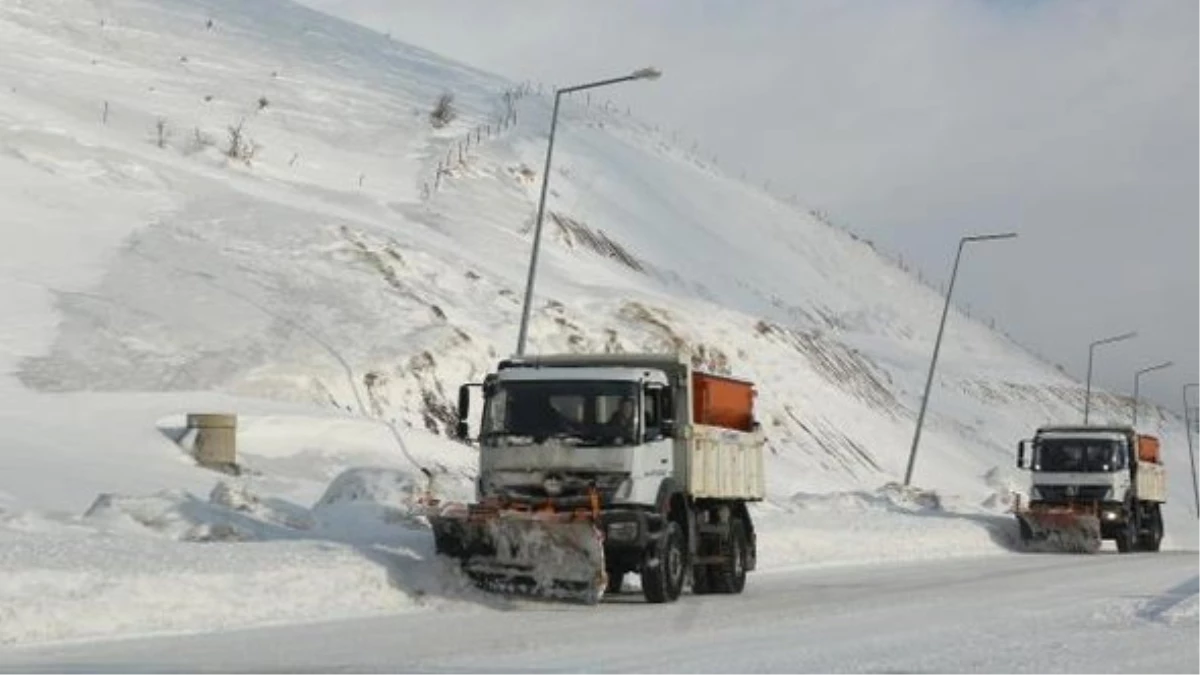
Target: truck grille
[
  {"x": 1072, "y": 493},
  {"x": 575, "y": 489}
]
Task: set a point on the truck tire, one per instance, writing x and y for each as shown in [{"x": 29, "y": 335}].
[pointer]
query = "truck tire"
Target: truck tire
[
  {"x": 1127, "y": 538},
  {"x": 1151, "y": 539},
  {"x": 663, "y": 575},
  {"x": 730, "y": 576},
  {"x": 701, "y": 580}
]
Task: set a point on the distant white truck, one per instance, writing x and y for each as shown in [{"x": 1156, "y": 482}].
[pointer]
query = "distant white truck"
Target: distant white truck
[
  {"x": 1090, "y": 483},
  {"x": 592, "y": 466}
]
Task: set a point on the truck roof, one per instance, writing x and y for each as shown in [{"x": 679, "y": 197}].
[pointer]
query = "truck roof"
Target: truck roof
[
  {"x": 671, "y": 364},
  {"x": 634, "y": 360},
  {"x": 1086, "y": 429},
  {"x": 674, "y": 364},
  {"x": 620, "y": 374}
]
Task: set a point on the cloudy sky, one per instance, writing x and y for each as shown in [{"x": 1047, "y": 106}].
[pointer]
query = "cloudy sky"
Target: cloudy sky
[{"x": 915, "y": 122}]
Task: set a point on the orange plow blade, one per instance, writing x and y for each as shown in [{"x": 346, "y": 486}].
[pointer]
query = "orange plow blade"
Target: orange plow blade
[
  {"x": 519, "y": 551},
  {"x": 1060, "y": 529}
]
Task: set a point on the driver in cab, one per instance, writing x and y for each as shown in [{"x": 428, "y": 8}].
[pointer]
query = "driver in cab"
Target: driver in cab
[{"x": 620, "y": 424}]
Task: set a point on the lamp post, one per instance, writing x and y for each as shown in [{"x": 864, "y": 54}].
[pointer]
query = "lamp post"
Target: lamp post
[
  {"x": 1136, "y": 378},
  {"x": 1087, "y": 399},
  {"x": 937, "y": 345},
  {"x": 1187, "y": 427},
  {"x": 641, "y": 74}
]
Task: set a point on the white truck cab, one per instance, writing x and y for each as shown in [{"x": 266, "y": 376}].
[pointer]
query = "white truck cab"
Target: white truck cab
[{"x": 554, "y": 431}]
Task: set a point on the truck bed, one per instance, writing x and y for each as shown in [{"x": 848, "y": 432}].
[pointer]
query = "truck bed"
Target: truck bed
[
  {"x": 1151, "y": 482},
  {"x": 725, "y": 464}
]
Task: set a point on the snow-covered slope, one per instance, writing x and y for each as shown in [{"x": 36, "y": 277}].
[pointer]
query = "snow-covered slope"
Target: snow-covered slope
[{"x": 355, "y": 264}]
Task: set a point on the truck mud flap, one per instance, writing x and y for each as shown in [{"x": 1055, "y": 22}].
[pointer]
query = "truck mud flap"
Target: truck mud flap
[
  {"x": 1060, "y": 530},
  {"x": 543, "y": 554}
]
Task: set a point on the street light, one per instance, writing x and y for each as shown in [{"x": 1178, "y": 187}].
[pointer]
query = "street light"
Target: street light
[
  {"x": 1088, "y": 397},
  {"x": 1187, "y": 428},
  {"x": 937, "y": 345},
  {"x": 639, "y": 74},
  {"x": 1138, "y": 376}
]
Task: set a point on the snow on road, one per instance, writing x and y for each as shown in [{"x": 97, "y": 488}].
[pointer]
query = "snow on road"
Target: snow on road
[{"x": 1032, "y": 613}]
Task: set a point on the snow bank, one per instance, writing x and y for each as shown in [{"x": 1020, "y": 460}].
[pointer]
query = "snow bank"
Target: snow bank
[
  {"x": 891, "y": 523},
  {"x": 60, "y": 585},
  {"x": 171, "y": 561},
  {"x": 367, "y": 495}
]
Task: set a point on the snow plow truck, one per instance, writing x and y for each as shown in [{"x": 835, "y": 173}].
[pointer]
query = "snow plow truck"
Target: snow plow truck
[
  {"x": 593, "y": 467},
  {"x": 1091, "y": 483}
]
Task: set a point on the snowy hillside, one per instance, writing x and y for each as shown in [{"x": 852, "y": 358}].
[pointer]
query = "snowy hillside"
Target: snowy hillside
[{"x": 344, "y": 263}]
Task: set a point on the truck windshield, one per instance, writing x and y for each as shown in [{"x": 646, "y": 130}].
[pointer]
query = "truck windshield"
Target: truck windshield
[
  {"x": 573, "y": 412},
  {"x": 1076, "y": 455}
]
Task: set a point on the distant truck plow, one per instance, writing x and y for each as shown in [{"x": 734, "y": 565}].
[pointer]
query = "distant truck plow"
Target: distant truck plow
[
  {"x": 1091, "y": 483},
  {"x": 595, "y": 466}
]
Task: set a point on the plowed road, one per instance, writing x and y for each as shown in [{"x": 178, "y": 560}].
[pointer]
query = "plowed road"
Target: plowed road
[{"x": 1017, "y": 613}]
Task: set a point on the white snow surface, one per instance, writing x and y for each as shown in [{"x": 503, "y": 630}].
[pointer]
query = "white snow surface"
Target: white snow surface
[{"x": 329, "y": 295}]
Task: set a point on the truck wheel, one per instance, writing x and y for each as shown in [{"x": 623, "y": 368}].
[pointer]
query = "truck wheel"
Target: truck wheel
[
  {"x": 1127, "y": 538},
  {"x": 1151, "y": 540},
  {"x": 662, "y": 581},
  {"x": 730, "y": 576}
]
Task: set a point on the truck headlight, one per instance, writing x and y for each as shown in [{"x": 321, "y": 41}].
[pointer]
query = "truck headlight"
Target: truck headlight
[{"x": 626, "y": 531}]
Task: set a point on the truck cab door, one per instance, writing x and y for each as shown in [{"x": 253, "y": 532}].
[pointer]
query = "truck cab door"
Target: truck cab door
[{"x": 653, "y": 461}]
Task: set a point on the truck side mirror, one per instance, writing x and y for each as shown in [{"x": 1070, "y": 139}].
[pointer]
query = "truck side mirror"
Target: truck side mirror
[
  {"x": 1021, "y": 454},
  {"x": 464, "y": 401},
  {"x": 461, "y": 430}
]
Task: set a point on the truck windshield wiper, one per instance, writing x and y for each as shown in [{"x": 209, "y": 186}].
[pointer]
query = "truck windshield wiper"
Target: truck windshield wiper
[
  {"x": 566, "y": 437},
  {"x": 514, "y": 437},
  {"x": 525, "y": 438}
]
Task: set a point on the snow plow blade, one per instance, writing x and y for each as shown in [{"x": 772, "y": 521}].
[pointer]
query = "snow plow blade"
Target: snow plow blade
[
  {"x": 558, "y": 555},
  {"x": 1060, "y": 529}
]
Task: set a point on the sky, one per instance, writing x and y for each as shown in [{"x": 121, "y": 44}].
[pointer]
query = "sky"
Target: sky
[{"x": 914, "y": 123}]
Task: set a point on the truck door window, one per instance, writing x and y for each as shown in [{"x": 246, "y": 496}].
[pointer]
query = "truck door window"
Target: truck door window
[
  {"x": 651, "y": 406},
  {"x": 495, "y": 416},
  {"x": 1114, "y": 457}
]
